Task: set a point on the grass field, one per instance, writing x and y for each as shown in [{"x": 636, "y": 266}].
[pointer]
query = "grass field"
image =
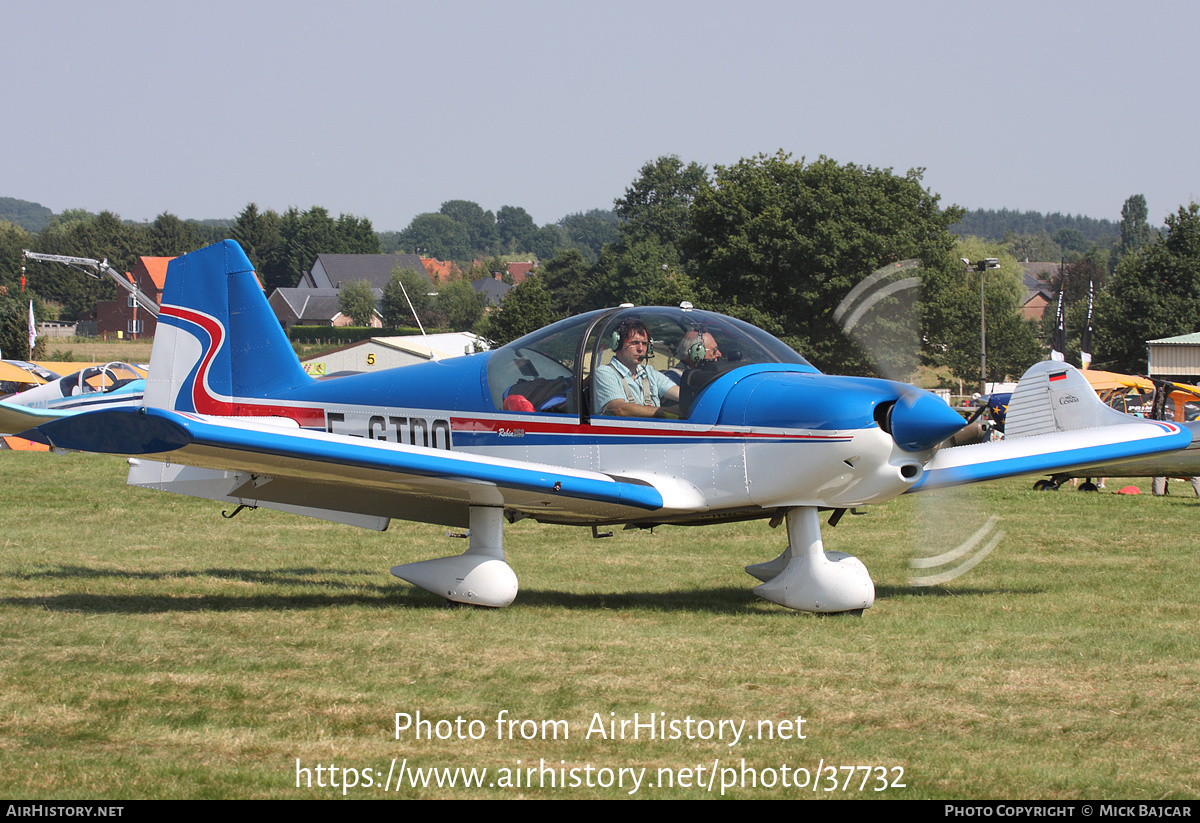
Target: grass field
[
  {"x": 150, "y": 648},
  {"x": 93, "y": 348},
  {"x": 130, "y": 351}
]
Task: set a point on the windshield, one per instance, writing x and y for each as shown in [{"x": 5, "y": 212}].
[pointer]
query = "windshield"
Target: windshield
[
  {"x": 690, "y": 347},
  {"x": 106, "y": 378}
]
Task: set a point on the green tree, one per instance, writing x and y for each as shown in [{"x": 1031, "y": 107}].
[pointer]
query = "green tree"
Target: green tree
[
  {"x": 525, "y": 309},
  {"x": 304, "y": 235},
  {"x": 591, "y": 231},
  {"x": 13, "y": 239},
  {"x": 1032, "y": 247},
  {"x": 260, "y": 236},
  {"x": 32, "y": 217},
  {"x": 516, "y": 229},
  {"x": 546, "y": 241},
  {"x": 436, "y": 235},
  {"x": 14, "y": 325},
  {"x": 480, "y": 225},
  {"x": 1154, "y": 293},
  {"x": 357, "y": 301},
  {"x": 460, "y": 307},
  {"x": 1073, "y": 278},
  {"x": 638, "y": 272},
  {"x": 355, "y": 235},
  {"x": 168, "y": 236},
  {"x": 1135, "y": 231},
  {"x": 101, "y": 236},
  {"x": 416, "y": 285},
  {"x": 657, "y": 205},
  {"x": 789, "y": 240},
  {"x": 1071, "y": 240},
  {"x": 570, "y": 283},
  {"x": 951, "y": 308}
]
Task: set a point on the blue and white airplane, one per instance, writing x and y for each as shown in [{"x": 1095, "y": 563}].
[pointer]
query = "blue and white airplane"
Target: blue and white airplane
[{"x": 526, "y": 431}]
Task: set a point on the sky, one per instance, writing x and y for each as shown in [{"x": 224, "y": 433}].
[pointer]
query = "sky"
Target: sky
[{"x": 385, "y": 110}]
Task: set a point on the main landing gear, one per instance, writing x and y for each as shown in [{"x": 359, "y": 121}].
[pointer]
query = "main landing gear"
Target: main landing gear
[
  {"x": 808, "y": 578},
  {"x": 1053, "y": 484},
  {"x": 478, "y": 576},
  {"x": 804, "y": 577}
]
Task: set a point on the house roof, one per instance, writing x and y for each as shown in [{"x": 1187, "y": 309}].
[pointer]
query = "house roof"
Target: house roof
[
  {"x": 311, "y": 305},
  {"x": 520, "y": 270},
  {"x": 330, "y": 271},
  {"x": 430, "y": 346},
  {"x": 1179, "y": 340},
  {"x": 1034, "y": 287},
  {"x": 156, "y": 268},
  {"x": 493, "y": 289},
  {"x": 448, "y": 344},
  {"x": 439, "y": 270},
  {"x": 1042, "y": 271}
]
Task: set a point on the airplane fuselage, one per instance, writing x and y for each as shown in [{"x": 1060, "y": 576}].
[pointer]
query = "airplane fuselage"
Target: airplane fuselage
[{"x": 815, "y": 442}]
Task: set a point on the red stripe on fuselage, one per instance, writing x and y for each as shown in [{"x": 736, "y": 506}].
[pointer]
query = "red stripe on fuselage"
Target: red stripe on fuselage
[
  {"x": 205, "y": 402},
  {"x": 493, "y": 426},
  {"x": 202, "y": 400}
]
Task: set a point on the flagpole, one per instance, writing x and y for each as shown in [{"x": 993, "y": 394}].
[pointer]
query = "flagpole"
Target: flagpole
[
  {"x": 32, "y": 331},
  {"x": 1085, "y": 348}
]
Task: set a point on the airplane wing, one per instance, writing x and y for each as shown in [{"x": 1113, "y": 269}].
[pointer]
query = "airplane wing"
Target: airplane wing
[
  {"x": 1055, "y": 424},
  {"x": 299, "y": 469},
  {"x": 1040, "y": 454}
]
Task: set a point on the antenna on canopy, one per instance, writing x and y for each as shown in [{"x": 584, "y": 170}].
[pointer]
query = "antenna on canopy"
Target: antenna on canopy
[{"x": 407, "y": 299}]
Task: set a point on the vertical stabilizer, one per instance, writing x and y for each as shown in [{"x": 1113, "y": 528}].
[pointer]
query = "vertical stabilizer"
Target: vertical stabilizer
[
  {"x": 1054, "y": 397},
  {"x": 217, "y": 339}
]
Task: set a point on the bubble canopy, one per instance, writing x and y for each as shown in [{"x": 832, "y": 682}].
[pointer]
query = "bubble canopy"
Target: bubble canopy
[{"x": 552, "y": 367}]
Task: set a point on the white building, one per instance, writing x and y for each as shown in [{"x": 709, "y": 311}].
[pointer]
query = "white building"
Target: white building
[{"x": 389, "y": 352}]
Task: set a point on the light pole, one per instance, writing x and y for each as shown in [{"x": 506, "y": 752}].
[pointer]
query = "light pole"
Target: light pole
[{"x": 982, "y": 266}]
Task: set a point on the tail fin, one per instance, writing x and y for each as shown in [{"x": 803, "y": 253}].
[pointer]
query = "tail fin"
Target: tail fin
[
  {"x": 1054, "y": 397},
  {"x": 217, "y": 339}
]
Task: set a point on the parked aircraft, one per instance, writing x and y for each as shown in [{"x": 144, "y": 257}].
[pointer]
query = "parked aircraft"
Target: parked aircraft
[
  {"x": 19, "y": 375},
  {"x": 1049, "y": 399},
  {"x": 100, "y": 386},
  {"x": 526, "y": 431}
]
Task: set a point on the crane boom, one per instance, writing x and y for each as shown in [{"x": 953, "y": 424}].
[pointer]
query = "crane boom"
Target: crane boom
[{"x": 95, "y": 268}]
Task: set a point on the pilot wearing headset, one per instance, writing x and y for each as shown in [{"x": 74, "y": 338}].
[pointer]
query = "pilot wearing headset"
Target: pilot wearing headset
[{"x": 626, "y": 386}]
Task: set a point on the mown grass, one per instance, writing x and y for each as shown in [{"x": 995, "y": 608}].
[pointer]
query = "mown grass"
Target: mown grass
[
  {"x": 150, "y": 648},
  {"x": 84, "y": 349}
]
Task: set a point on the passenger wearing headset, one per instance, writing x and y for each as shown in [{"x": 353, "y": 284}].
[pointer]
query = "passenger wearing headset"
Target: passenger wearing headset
[
  {"x": 625, "y": 386},
  {"x": 695, "y": 347}
]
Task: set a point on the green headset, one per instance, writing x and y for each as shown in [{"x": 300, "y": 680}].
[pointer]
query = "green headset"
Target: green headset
[
  {"x": 695, "y": 351},
  {"x": 621, "y": 333}
]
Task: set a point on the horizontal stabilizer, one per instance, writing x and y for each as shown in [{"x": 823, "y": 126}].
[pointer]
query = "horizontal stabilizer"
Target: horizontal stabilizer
[{"x": 15, "y": 418}]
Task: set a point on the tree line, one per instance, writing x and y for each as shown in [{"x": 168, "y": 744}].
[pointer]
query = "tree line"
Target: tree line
[{"x": 780, "y": 242}]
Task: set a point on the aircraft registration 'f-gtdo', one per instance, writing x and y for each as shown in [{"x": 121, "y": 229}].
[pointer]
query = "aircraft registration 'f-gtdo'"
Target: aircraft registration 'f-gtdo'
[{"x": 528, "y": 431}]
